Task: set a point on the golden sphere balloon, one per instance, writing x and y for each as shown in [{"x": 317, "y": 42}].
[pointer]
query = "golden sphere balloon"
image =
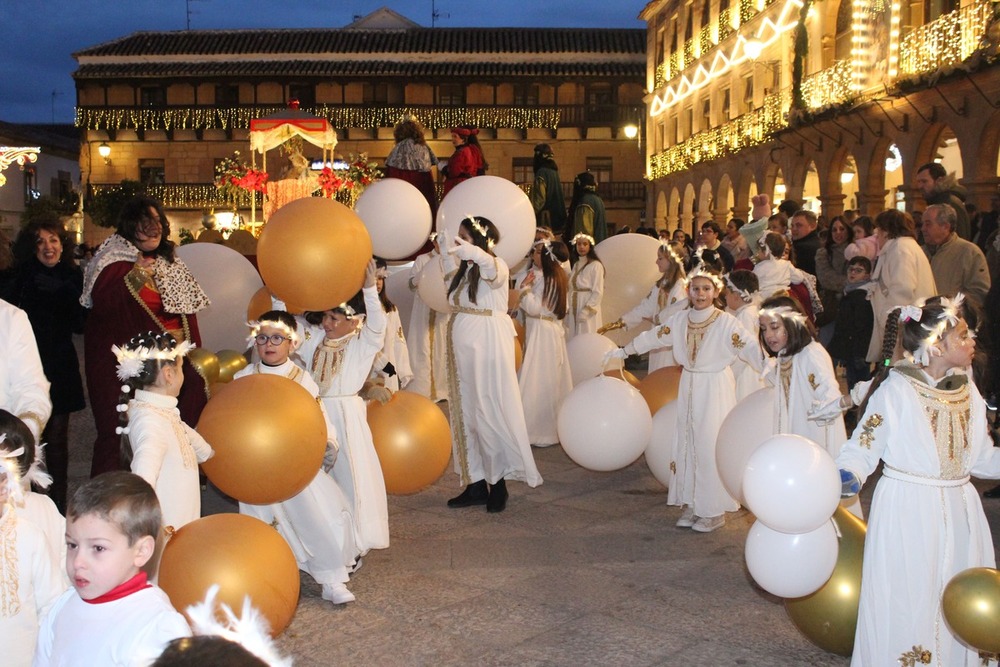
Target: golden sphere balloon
[
  {"x": 313, "y": 253},
  {"x": 971, "y": 604},
  {"x": 206, "y": 363},
  {"x": 230, "y": 363},
  {"x": 622, "y": 374},
  {"x": 660, "y": 387},
  {"x": 829, "y": 617},
  {"x": 412, "y": 440},
  {"x": 259, "y": 304},
  {"x": 269, "y": 436},
  {"x": 241, "y": 554},
  {"x": 518, "y": 356}
]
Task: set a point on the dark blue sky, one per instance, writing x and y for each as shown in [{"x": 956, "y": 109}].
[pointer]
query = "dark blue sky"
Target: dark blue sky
[{"x": 39, "y": 36}]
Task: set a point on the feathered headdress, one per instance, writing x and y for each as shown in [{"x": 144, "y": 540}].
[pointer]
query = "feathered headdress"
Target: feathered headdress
[
  {"x": 130, "y": 362},
  {"x": 949, "y": 318},
  {"x": 249, "y": 629},
  {"x": 9, "y": 465},
  {"x": 584, "y": 237},
  {"x": 700, "y": 271},
  {"x": 480, "y": 229},
  {"x": 784, "y": 313},
  {"x": 286, "y": 331}
]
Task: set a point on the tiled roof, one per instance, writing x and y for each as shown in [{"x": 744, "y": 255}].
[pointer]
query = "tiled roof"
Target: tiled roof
[
  {"x": 479, "y": 41},
  {"x": 360, "y": 68}
]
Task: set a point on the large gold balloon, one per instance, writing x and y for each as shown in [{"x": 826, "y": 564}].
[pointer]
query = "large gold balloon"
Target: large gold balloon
[
  {"x": 241, "y": 554},
  {"x": 313, "y": 253},
  {"x": 622, "y": 374},
  {"x": 412, "y": 440},
  {"x": 660, "y": 387},
  {"x": 269, "y": 436},
  {"x": 971, "y": 604},
  {"x": 259, "y": 304},
  {"x": 230, "y": 363},
  {"x": 206, "y": 363},
  {"x": 829, "y": 617}
]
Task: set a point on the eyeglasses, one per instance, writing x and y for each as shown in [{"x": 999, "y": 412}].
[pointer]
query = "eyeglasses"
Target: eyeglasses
[{"x": 275, "y": 339}]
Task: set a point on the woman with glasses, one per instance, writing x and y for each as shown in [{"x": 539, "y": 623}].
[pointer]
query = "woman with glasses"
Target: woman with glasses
[{"x": 134, "y": 284}]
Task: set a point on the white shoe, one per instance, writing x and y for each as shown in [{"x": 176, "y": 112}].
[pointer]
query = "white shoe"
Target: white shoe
[
  {"x": 687, "y": 519},
  {"x": 337, "y": 593},
  {"x": 707, "y": 525}
]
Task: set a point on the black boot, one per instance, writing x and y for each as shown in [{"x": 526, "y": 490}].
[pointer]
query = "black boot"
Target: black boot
[
  {"x": 498, "y": 497},
  {"x": 474, "y": 494}
]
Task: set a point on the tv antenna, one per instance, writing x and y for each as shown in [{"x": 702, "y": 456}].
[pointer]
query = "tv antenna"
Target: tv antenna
[
  {"x": 435, "y": 14},
  {"x": 188, "y": 13}
]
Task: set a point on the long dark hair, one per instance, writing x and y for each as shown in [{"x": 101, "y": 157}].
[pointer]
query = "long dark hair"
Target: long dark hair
[
  {"x": 25, "y": 243},
  {"x": 828, "y": 243},
  {"x": 387, "y": 305},
  {"x": 556, "y": 280},
  {"x": 591, "y": 256},
  {"x": 134, "y": 213},
  {"x": 481, "y": 241}
]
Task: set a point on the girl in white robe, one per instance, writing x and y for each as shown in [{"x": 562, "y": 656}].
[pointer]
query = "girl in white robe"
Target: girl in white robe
[
  {"x": 426, "y": 338},
  {"x": 742, "y": 303},
  {"x": 316, "y": 522},
  {"x": 392, "y": 364},
  {"x": 489, "y": 435},
  {"x": 706, "y": 342},
  {"x": 156, "y": 444},
  {"x": 30, "y": 580},
  {"x": 340, "y": 354},
  {"x": 926, "y": 421},
  {"x": 667, "y": 297},
  {"x": 545, "y": 377},
  {"x": 586, "y": 288}
]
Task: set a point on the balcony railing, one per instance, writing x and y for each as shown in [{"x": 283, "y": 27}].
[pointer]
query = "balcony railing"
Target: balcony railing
[
  {"x": 946, "y": 41},
  {"x": 358, "y": 116},
  {"x": 829, "y": 86},
  {"x": 613, "y": 191}
]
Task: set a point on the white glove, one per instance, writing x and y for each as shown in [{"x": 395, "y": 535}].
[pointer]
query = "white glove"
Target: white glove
[
  {"x": 464, "y": 250},
  {"x": 859, "y": 391},
  {"x": 329, "y": 457},
  {"x": 380, "y": 393},
  {"x": 611, "y": 355},
  {"x": 825, "y": 413}
]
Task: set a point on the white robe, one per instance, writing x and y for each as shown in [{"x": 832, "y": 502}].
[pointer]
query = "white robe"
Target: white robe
[
  {"x": 43, "y": 513},
  {"x": 128, "y": 632},
  {"x": 812, "y": 382},
  {"x": 34, "y": 586},
  {"x": 927, "y": 522},
  {"x": 902, "y": 277},
  {"x": 748, "y": 379},
  {"x": 776, "y": 275},
  {"x": 357, "y": 470},
  {"x": 426, "y": 341},
  {"x": 24, "y": 391},
  {"x": 316, "y": 522},
  {"x": 650, "y": 310},
  {"x": 545, "y": 377},
  {"x": 488, "y": 431},
  {"x": 586, "y": 289},
  {"x": 166, "y": 453},
  {"x": 706, "y": 394},
  {"x": 394, "y": 352}
]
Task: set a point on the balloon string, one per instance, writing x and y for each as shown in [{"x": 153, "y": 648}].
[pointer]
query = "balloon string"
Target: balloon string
[{"x": 836, "y": 529}]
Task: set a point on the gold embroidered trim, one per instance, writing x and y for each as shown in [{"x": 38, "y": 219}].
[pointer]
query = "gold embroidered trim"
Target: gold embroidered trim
[
  {"x": 455, "y": 394},
  {"x": 431, "y": 321},
  {"x": 10, "y": 603},
  {"x": 738, "y": 342},
  {"x": 399, "y": 334},
  {"x": 188, "y": 457},
  {"x": 673, "y": 467},
  {"x": 812, "y": 381},
  {"x": 948, "y": 411},
  {"x": 868, "y": 430},
  {"x": 663, "y": 331},
  {"x": 328, "y": 359},
  {"x": 918, "y": 655},
  {"x": 696, "y": 333}
]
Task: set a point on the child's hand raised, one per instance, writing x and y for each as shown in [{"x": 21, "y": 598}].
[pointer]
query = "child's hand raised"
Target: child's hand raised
[
  {"x": 761, "y": 206},
  {"x": 370, "y": 274}
]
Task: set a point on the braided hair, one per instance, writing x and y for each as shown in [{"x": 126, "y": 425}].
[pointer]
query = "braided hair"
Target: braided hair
[{"x": 148, "y": 372}]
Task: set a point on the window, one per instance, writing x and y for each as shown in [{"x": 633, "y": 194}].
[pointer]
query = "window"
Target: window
[
  {"x": 524, "y": 170},
  {"x": 525, "y": 95},
  {"x": 30, "y": 190},
  {"x": 151, "y": 172},
  {"x": 748, "y": 92},
  {"x": 62, "y": 186},
  {"x": 450, "y": 94},
  {"x": 227, "y": 95},
  {"x": 153, "y": 96},
  {"x": 726, "y": 105},
  {"x": 600, "y": 167},
  {"x": 305, "y": 93},
  {"x": 706, "y": 113},
  {"x": 842, "y": 45},
  {"x": 687, "y": 122},
  {"x": 600, "y": 103},
  {"x": 383, "y": 93}
]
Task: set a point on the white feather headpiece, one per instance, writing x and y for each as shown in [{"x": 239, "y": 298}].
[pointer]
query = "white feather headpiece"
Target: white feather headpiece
[
  {"x": 949, "y": 318},
  {"x": 286, "y": 331},
  {"x": 669, "y": 251},
  {"x": 783, "y": 313},
  {"x": 584, "y": 237},
  {"x": 743, "y": 294},
  {"x": 546, "y": 244},
  {"x": 700, "y": 271},
  {"x": 130, "y": 362},
  {"x": 37, "y": 474},
  {"x": 8, "y": 464},
  {"x": 481, "y": 230},
  {"x": 249, "y": 629}
]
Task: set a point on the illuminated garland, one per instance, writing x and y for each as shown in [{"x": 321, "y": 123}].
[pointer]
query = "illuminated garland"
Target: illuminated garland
[
  {"x": 190, "y": 195},
  {"x": 828, "y": 87},
  {"x": 750, "y": 129},
  {"x": 197, "y": 118},
  {"x": 946, "y": 41},
  {"x": 16, "y": 154}
]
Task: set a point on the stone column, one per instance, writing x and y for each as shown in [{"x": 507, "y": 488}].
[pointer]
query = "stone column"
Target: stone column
[
  {"x": 872, "y": 203},
  {"x": 981, "y": 191},
  {"x": 832, "y": 205}
]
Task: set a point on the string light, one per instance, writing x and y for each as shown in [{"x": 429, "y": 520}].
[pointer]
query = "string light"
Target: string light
[
  {"x": 16, "y": 154},
  {"x": 946, "y": 41},
  {"x": 832, "y": 85}
]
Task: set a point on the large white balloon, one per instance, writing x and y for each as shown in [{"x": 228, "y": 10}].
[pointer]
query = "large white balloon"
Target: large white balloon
[
  {"x": 230, "y": 281},
  {"x": 586, "y": 356},
  {"x": 431, "y": 287},
  {"x": 604, "y": 424},
  {"x": 791, "y": 484},
  {"x": 662, "y": 449},
  {"x": 501, "y": 202},
  {"x": 791, "y": 566},
  {"x": 397, "y": 288},
  {"x": 746, "y": 426},
  {"x": 397, "y": 217},
  {"x": 630, "y": 271}
]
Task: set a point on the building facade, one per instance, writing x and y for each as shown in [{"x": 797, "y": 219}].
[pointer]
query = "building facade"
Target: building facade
[
  {"x": 171, "y": 105},
  {"x": 832, "y": 103}
]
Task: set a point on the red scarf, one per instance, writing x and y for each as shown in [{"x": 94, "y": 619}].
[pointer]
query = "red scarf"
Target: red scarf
[{"x": 133, "y": 585}]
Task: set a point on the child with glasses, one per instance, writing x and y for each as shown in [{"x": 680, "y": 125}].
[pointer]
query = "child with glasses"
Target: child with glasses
[{"x": 317, "y": 522}]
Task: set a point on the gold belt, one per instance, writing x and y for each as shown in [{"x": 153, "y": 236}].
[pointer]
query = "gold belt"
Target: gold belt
[
  {"x": 471, "y": 311},
  {"x": 546, "y": 318}
]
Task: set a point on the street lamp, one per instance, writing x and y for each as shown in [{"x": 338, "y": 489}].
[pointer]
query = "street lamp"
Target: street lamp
[
  {"x": 631, "y": 131},
  {"x": 105, "y": 152}
]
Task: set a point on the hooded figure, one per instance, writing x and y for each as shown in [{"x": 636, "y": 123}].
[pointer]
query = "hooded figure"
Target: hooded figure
[
  {"x": 546, "y": 192},
  {"x": 586, "y": 212}
]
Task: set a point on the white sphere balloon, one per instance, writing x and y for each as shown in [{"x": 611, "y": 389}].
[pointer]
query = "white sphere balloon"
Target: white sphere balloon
[
  {"x": 630, "y": 272},
  {"x": 662, "y": 449},
  {"x": 397, "y": 217},
  {"x": 604, "y": 424},
  {"x": 230, "y": 281},
  {"x": 791, "y": 566},
  {"x": 431, "y": 287},
  {"x": 498, "y": 200},
  {"x": 791, "y": 484},
  {"x": 586, "y": 356},
  {"x": 746, "y": 426}
]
